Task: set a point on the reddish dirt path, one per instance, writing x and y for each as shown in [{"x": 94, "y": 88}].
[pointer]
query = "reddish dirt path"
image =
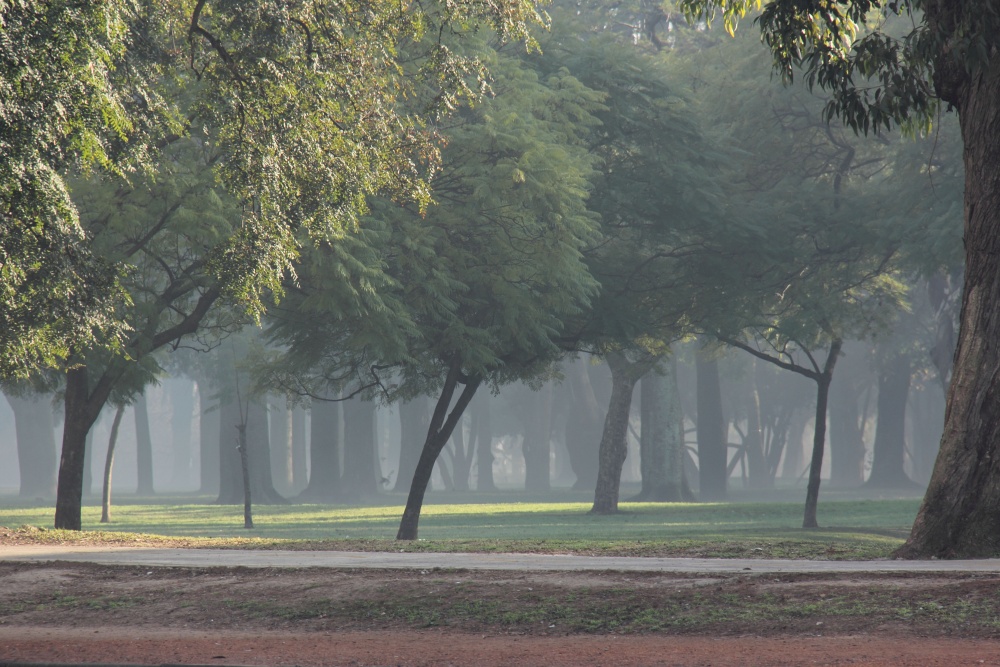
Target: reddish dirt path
[{"x": 440, "y": 648}]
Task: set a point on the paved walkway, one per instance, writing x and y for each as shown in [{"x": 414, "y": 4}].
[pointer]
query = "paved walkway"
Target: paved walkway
[{"x": 201, "y": 558}]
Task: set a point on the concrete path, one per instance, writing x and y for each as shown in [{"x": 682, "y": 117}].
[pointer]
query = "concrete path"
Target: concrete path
[{"x": 203, "y": 558}]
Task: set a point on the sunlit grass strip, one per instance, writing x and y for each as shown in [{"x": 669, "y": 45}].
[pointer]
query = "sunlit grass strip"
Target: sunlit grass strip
[{"x": 857, "y": 529}]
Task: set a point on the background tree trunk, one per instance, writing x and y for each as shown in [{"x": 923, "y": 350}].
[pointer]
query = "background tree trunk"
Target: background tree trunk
[
  {"x": 359, "y": 481},
  {"x": 537, "y": 444},
  {"x": 36, "y": 444},
  {"x": 482, "y": 428},
  {"x": 583, "y": 425},
  {"x": 181, "y": 392},
  {"x": 144, "y": 448},
  {"x": 209, "y": 439},
  {"x": 711, "y": 429},
  {"x": 325, "y": 440},
  {"x": 819, "y": 435},
  {"x": 889, "y": 450},
  {"x": 413, "y": 421},
  {"x": 279, "y": 422},
  {"x": 109, "y": 461},
  {"x": 847, "y": 445},
  {"x": 661, "y": 438},
  {"x": 300, "y": 474}
]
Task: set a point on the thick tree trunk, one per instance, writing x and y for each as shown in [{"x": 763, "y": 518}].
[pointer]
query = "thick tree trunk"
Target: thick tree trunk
[
  {"x": 711, "y": 428},
  {"x": 482, "y": 429},
  {"x": 36, "y": 445},
  {"x": 890, "y": 433},
  {"x": 583, "y": 425},
  {"x": 537, "y": 445},
  {"x": 325, "y": 441},
  {"x": 438, "y": 431},
  {"x": 359, "y": 482},
  {"x": 958, "y": 517},
  {"x": 82, "y": 407},
  {"x": 819, "y": 435},
  {"x": 144, "y": 448},
  {"x": 624, "y": 375}
]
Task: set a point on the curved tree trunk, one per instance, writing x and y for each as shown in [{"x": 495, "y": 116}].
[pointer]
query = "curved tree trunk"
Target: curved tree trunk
[
  {"x": 624, "y": 375},
  {"x": 958, "y": 517},
  {"x": 109, "y": 461},
  {"x": 819, "y": 434}
]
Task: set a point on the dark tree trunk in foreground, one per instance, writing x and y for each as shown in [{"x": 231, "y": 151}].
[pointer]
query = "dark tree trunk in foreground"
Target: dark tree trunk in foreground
[
  {"x": 819, "y": 434},
  {"x": 890, "y": 441},
  {"x": 413, "y": 422},
  {"x": 144, "y": 448},
  {"x": 624, "y": 375},
  {"x": 36, "y": 445},
  {"x": 711, "y": 428},
  {"x": 324, "y": 453},
  {"x": 958, "y": 517},
  {"x": 441, "y": 426}
]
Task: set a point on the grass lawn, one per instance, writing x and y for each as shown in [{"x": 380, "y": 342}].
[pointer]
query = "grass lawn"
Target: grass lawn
[{"x": 867, "y": 528}]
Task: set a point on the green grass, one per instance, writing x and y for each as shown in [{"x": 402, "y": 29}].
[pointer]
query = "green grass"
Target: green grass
[{"x": 852, "y": 528}]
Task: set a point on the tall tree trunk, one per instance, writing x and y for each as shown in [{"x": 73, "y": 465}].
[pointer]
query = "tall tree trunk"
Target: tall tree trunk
[
  {"x": 109, "y": 461},
  {"x": 711, "y": 428},
  {"x": 279, "y": 422},
  {"x": 753, "y": 441},
  {"x": 144, "y": 447},
  {"x": 438, "y": 431},
  {"x": 181, "y": 392},
  {"x": 537, "y": 445},
  {"x": 36, "y": 444},
  {"x": 661, "y": 438},
  {"x": 482, "y": 429},
  {"x": 958, "y": 516},
  {"x": 583, "y": 425},
  {"x": 209, "y": 439},
  {"x": 325, "y": 440},
  {"x": 359, "y": 482},
  {"x": 624, "y": 375},
  {"x": 230, "y": 467},
  {"x": 413, "y": 422},
  {"x": 300, "y": 475},
  {"x": 819, "y": 434},
  {"x": 462, "y": 459},
  {"x": 889, "y": 451}
]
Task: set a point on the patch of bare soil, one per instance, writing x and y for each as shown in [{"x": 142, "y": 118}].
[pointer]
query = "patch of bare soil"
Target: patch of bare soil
[{"x": 155, "y": 616}]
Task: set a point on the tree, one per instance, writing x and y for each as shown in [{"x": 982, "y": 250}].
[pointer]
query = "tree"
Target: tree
[{"x": 946, "y": 53}]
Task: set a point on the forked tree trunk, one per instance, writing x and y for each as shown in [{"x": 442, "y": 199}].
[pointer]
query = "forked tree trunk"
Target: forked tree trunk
[
  {"x": 438, "y": 431},
  {"x": 614, "y": 447},
  {"x": 958, "y": 517}
]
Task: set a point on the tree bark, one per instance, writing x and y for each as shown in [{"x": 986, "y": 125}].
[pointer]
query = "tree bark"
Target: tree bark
[
  {"x": 144, "y": 448},
  {"x": 614, "y": 448},
  {"x": 711, "y": 428},
  {"x": 958, "y": 516},
  {"x": 36, "y": 444},
  {"x": 438, "y": 431},
  {"x": 889, "y": 450},
  {"x": 819, "y": 434}
]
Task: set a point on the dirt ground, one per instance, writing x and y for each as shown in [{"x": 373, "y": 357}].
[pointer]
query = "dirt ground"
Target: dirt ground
[{"x": 62, "y": 613}]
